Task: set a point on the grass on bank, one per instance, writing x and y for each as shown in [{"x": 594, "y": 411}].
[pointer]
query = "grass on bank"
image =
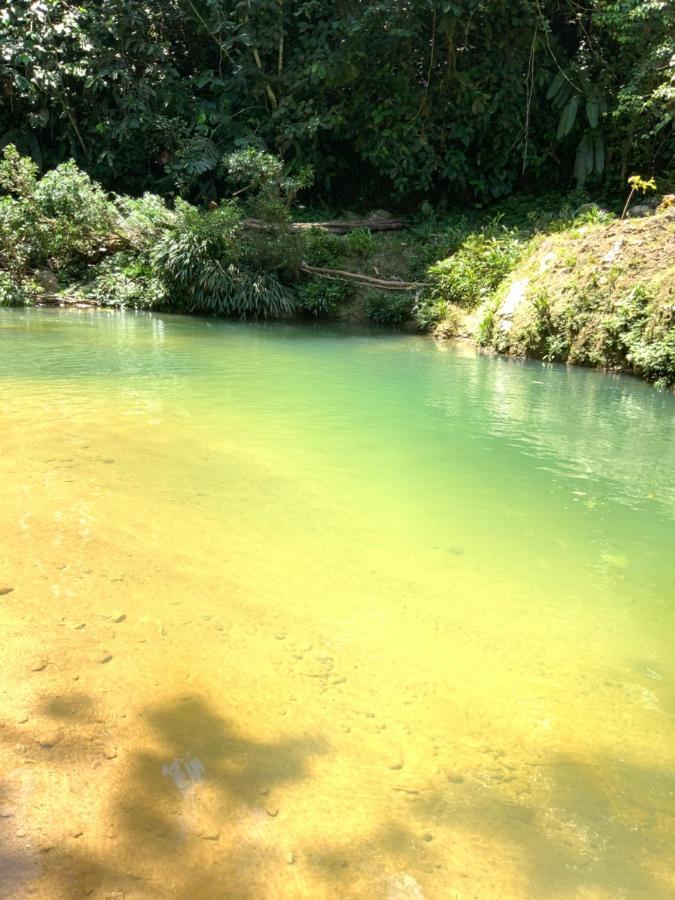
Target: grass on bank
[{"x": 550, "y": 277}]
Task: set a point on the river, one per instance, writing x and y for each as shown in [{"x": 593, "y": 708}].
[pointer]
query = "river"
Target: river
[{"x": 315, "y": 612}]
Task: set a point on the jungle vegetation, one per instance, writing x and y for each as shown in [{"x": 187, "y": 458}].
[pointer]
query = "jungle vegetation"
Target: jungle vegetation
[
  {"x": 140, "y": 140},
  {"x": 389, "y": 102}
]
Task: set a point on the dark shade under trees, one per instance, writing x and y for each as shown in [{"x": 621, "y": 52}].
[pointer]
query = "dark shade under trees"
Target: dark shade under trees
[{"x": 389, "y": 102}]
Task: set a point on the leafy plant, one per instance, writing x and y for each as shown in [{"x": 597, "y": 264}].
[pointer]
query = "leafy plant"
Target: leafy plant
[
  {"x": 321, "y": 248},
  {"x": 321, "y": 297},
  {"x": 476, "y": 269},
  {"x": 387, "y": 307},
  {"x": 451, "y": 323},
  {"x": 13, "y": 292},
  {"x": 568, "y": 92},
  {"x": 144, "y": 218},
  {"x": 260, "y": 176},
  {"x": 429, "y": 312},
  {"x": 637, "y": 183},
  {"x": 360, "y": 242},
  {"x": 123, "y": 280},
  {"x": 202, "y": 265},
  {"x": 63, "y": 219}
]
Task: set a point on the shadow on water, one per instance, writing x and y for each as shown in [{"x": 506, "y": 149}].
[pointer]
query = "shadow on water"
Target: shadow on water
[
  {"x": 76, "y": 707},
  {"x": 566, "y": 827},
  {"x": 196, "y": 780},
  {"x": 601, "y": 829}
]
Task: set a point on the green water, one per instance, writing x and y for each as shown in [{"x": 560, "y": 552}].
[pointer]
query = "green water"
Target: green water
[{"x": 397, "y": 619}]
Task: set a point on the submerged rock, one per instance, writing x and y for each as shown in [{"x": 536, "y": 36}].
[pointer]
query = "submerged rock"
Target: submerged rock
[
  {"x": 454, "y": 777},
  {"x": 49, "y": 739},
  {"x": 395, "y": 760}
]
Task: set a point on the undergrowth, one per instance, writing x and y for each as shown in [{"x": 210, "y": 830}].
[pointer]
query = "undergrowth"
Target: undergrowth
[{"x": 62, "y": 237}]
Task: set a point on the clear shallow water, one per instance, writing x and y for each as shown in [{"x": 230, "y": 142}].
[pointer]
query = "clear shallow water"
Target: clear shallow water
[{"x": 306, "y": 612}]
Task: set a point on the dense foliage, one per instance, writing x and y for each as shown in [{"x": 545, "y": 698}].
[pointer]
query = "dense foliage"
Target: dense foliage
[
  {"x": 64, "y": 227},
  {"x": 386, "y": 101}
]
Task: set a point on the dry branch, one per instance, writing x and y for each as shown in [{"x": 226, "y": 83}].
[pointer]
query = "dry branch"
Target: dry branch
[
  {"x": 364, "y": 280},
  {"x": 337, "y": 226}
]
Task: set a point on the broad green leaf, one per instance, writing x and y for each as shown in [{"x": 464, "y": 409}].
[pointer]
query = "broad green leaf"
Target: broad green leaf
[
  {"x": 583, "y": 162},
  {"x": 599, "y": 153},
  {"x": 592, "y": 110},
  {"x": 568, "y": 116},
  {"x": 555, "y": 85}
]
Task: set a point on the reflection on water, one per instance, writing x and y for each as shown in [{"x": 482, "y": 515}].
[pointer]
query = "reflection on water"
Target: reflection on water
[{"x": 313, "y": 612}]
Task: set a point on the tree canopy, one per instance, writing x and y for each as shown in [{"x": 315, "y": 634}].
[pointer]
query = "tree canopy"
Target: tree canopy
[{"x": 385, "y": 100}]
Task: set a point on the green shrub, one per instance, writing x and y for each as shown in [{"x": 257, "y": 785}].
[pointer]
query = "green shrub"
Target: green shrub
[
  {"x": 360, "y": 242},
  {"x": 124, "y": 280},
  {"x": 267, "y": 190},
  {"x": 451, "y": 323},
  {"x": 655, "y": 359},
  {"x": 144, "y": 218},
  {"x": 63, "y": 219},
  {"x": 485, "y": 334},
  {"x": 74, "y": 216},
  {"x": 431, "y": 242},
  {"x": 202, "y": 266},
  {"x": 13, "y": 292},
  {"x": 387, "y": 307},
  {"x": 321, "y": 248},
  {"x": 19, "y": 241},
  {"x": 321, "y": 297},
  {"x": 429, "y": 312},
  {"x": 278, "y": 252},
  {"x": 476, "y": 269}
]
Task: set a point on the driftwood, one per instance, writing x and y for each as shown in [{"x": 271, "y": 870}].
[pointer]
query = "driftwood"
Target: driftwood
[
  {"x": 50, "y": 298},
  {"x": 338, "y": 226},
  {"x": 364, "y": 280}
]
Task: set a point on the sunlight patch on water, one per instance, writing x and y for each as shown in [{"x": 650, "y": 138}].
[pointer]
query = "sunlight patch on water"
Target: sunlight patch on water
[{"x": 312, "y": 612}]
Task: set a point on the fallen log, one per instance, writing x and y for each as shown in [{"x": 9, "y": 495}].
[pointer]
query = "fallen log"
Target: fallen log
[
  {"x": 337, "y": 226},
  {"x": 382, "y": 284}
]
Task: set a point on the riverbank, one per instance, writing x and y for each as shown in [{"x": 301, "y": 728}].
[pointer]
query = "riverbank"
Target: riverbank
[
  {"x": 543, "y": 277},
  {"x": 584, "y": 288}
]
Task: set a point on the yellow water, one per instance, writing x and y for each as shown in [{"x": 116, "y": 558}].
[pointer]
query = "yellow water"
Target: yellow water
[{"x": 313, "y": 613}]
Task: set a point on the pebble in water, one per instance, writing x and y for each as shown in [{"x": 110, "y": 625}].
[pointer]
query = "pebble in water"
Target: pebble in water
[
  {"x": 48, "y": 740},
  {"x": 454, "y": 777},
  {"x": 395, "y": 760}
]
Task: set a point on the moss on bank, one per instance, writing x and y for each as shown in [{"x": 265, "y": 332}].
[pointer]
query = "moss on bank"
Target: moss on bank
[{"x": 599, "y": 295}]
